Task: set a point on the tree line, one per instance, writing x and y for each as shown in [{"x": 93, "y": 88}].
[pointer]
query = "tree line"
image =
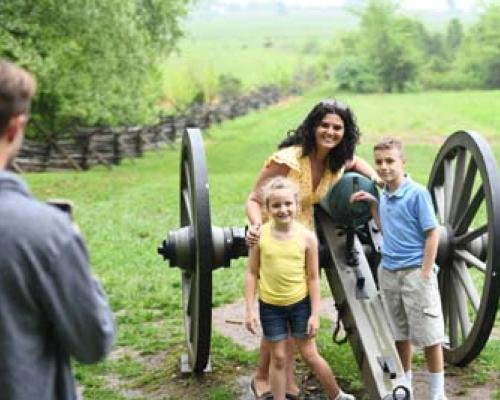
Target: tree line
[
  {"x": 96, "y": 62},
  {"x": 391, "y": 52}
]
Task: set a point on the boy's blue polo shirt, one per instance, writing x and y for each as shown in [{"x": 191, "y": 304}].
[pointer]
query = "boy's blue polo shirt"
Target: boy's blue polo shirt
[{"x": 405, "y": 216}]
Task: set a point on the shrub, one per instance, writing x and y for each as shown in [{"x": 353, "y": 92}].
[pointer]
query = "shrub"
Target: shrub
[{"x": 353, "y": 74}]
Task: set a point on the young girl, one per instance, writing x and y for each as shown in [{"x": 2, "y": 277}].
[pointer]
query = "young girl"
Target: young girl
[{"x": 285, "y": 265}]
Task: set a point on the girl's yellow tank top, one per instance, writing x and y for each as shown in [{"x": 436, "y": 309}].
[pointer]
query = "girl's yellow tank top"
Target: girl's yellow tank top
[{"x": 282, "y": 279}]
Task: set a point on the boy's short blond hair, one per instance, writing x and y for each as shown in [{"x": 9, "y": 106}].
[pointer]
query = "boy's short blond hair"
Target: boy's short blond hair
[
  {"x": 277, "y": 183},
  {"x": 387, "y": 143},
  {"x": 17, "y": 87}
]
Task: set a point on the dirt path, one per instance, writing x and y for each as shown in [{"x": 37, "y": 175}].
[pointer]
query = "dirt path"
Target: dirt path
[{"x": 229, "y": 321}]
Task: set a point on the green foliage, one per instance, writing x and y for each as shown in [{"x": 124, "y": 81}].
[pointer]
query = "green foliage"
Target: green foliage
[
  {"x": 480, "y": 54},
  {"x": 354, "y": 74},
  {"x": 385, "y": 52},
  {"x": 97, "y": 62},
  {"x": 454, "y": 35},
  {"x": 187, "y": 83},
  {"x": 388, "y": 45},
  {"x": 229, "y": 85},
  {"x": 391, "y": 52}
]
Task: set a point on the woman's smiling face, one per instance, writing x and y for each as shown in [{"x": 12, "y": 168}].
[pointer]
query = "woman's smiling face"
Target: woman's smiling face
[{"x": 329, "y": 132}]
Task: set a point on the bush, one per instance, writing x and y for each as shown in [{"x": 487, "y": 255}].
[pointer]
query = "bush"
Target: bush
[
  {"x": 229, "y": 85},
  {"x": 353, "y": 74}
]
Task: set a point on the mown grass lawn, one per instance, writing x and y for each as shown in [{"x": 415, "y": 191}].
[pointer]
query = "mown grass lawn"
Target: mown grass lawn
[{"x": 126, "y": 212}]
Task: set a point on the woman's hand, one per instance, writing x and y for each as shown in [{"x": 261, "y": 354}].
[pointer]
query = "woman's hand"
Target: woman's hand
[
  {"x": 253, "y": 234},
  {"x": 377, "y": 180}
]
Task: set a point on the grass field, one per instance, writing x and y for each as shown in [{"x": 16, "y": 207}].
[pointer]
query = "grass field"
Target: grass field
[
  {"x": 125, "y": 213},
  {"x": 257, "y": 48}
]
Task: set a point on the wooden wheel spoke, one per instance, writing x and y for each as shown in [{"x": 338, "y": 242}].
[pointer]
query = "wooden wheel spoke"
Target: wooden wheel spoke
[
  {"x": 465, "y": 279},
  {"x": 445, "y": 299},
  {"x": 187, "y": 205},
  {"x": 462, "y": 240},
  {"x": 467, "y": 218},
  {"x": 471, "y": 259},
  {"x": 452, "y": 317},
  {"x": 439, "y": 201},
  {"x": 449, "y": 179},
  {"x": 463, "y": 196},
  {"x": 461, "y": 306},
  {"x": 458, "y": 182}
]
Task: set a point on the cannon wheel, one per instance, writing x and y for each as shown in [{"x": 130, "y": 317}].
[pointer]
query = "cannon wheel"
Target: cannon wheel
[
  {"x": 465, "y": 188},
  {"x": 196, "y": 281}
]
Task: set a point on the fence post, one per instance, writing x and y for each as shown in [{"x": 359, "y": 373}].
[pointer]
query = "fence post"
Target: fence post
[{"x": 117, "y": 157}]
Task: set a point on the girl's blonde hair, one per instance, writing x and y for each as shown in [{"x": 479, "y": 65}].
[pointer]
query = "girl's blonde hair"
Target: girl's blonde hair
[{"x": 277, "y": 183}]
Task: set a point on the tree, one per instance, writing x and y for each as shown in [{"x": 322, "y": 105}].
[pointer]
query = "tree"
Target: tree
[
  {"x": 479, "y": 56},
  {"x": 387, "y": 42},
  {"x": 97, "y": 62},
  {"x": 454, "y": 35}
]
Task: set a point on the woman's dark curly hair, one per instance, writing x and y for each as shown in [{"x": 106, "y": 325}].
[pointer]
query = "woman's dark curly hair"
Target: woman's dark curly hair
[{"x": 305, "y": 135}]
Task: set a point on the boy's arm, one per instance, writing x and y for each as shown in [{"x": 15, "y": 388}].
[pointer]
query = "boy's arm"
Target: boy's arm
[
  {"x": 430, "y": 251},
  {"x": 312, "y": 270},
  {"x": 250, "y": 287},
  {"x": 371, "y": 200}
]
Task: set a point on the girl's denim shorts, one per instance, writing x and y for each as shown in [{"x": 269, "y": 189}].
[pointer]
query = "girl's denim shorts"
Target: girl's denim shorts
[{"x": 278, "y": 322}]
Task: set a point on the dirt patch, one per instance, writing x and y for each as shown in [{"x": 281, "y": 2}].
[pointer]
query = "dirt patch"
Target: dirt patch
[{"x": 228, "y": 320}]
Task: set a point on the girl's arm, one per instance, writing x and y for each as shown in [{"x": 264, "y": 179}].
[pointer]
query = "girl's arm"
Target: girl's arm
[
  {"x": 359, "y": 165},
  {"x": 430, "y": 251},
  {"x": 312, "y": 271},
  {"x": 254, "y": 201},
  {"x": 251, "y": 277}
]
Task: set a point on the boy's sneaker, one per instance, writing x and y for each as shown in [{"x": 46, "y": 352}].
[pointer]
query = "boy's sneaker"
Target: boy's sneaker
[
  {"x": 345, "y": 396},
  {"x": 439, "y": 397}
]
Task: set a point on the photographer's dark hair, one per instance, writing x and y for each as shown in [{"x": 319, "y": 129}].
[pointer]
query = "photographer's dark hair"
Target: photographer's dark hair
[
  {"x": 305, "y": 136},
  {"x": 17, "y": 87}
]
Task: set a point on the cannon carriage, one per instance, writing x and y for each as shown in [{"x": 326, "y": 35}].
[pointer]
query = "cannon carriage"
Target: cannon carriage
[{"x": 465, "y": 189}]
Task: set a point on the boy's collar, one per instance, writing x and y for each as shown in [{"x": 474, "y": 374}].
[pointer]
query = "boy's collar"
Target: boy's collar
[{"x": 401, "y": 190}]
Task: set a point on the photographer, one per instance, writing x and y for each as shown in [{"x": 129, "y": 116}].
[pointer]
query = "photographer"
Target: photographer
[{"x": 50, "y": 306}]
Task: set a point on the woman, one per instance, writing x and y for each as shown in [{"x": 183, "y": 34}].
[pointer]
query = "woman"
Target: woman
[{"x": 314, "y": 156}]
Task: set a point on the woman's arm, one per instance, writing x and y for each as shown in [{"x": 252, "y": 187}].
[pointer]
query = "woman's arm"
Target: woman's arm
[
  {"x": 251, "y": 278},
  {"x": 313, "y": 285},
  {"x": 254, "y": 201},
  {"x": 359, "y": 165}
]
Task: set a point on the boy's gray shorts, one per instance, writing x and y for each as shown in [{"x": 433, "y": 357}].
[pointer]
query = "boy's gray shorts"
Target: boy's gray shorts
[{"x": 413, "y": 306}]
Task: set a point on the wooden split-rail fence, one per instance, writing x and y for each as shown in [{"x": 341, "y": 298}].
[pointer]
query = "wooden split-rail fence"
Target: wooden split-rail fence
[{"x": 88, "y": 147}]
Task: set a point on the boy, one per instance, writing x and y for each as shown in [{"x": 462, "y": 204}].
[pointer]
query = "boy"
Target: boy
[
  {"x": 408, "y": 283},
  {"x": 50, "y": 306}
]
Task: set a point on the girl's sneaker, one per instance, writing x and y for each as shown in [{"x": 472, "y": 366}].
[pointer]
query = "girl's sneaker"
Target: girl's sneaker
[{"x": 345, "y": 396}]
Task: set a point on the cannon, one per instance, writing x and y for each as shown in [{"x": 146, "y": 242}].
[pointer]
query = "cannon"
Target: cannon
[{"x": 465, "y": 188}]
